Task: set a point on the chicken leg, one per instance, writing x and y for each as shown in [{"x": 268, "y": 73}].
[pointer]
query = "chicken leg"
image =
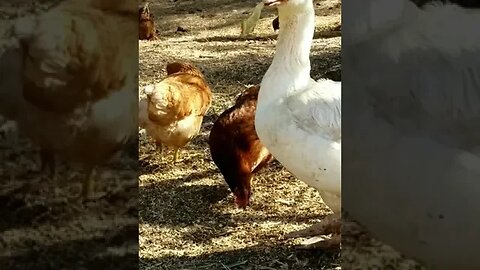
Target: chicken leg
[
  {"x": 88, "y": 186},
  {"x": 176, "y": 154},
  {"x": 47, "y": 164},
  {"x": 330, "y": 225},
  {"x": 48, "y": 168},
  {"x": 160, "y": 149}
]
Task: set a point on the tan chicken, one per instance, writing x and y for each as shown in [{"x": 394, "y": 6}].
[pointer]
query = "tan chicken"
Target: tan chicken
[
  {"x": 173, "y": 111},
  {"x": 235, "y": 147},
  {"x": 71, "y": 81},
  {"x": 146, "y": 30}
]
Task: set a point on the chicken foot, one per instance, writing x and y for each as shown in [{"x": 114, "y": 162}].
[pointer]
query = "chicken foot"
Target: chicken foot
[
  {"x": 330, "y": 225},
  {"x": 88, "y": 186},
  {"x": 48, "y": 168},
  {"x": 47, "y": 164},
  {"x": 176, "y": 154}
]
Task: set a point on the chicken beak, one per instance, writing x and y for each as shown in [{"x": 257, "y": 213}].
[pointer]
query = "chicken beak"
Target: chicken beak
[
  {"x": 242, "y": 204},
  {"x": 149, "y": 89}
]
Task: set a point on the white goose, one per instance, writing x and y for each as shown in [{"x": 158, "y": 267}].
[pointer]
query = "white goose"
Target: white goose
[
  {"x": 298, "y": 119},
  {"x": 415, "y": 76}
]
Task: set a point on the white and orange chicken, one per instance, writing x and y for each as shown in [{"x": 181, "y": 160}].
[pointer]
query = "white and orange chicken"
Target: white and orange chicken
[
  {"x": 173, "y": 111},
  {"x": 69, "y": 80},
  {"x": 236, "y": 148}
]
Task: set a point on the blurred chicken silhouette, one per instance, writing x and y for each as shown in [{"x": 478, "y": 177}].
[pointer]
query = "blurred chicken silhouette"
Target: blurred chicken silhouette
[
  {"x": 249, "y": 24},
  {"x": 69, "y": 80},
  {"x": 146, "y": 30}
]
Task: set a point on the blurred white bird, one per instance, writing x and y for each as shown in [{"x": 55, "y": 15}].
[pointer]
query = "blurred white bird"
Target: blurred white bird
[{"x": 411, "y": 169}]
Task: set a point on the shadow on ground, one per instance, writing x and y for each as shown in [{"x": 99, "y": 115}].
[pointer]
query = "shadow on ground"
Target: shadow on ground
[{"x": 253, "y": 258}]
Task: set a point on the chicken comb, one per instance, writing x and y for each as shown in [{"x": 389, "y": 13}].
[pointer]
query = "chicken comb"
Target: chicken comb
[{"x": 145, "y": 10}]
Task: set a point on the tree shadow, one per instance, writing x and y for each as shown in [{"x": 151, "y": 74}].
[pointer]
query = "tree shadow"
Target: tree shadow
[
  {"x": 81, "y": 253},
  {"x": 38, "y": 223},
  {"x": 248, "y": 70},
  {"x": 17, "y": 213},
  {"x": 231, "y": 38},
  {"x": 183, "y": 205},
  {"x": 167, "y": 13},
  {"x": 262, "y": 256},
  {"x": 166, "y": 7},
  {"x": 180, "y": 203}
]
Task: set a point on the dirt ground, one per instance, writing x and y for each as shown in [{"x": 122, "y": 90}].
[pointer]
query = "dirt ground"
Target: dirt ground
[{"x": 41, "y": 227}]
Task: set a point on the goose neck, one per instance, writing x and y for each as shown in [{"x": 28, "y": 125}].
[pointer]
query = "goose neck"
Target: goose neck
[
  {"x": 295, "y": 36},
  {"x": 291, "y": 63}
]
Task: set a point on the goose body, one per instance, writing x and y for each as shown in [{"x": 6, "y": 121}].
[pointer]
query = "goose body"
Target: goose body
[
  {"x": 299, "y": 119},
  {"x": 415, "y": 77}
]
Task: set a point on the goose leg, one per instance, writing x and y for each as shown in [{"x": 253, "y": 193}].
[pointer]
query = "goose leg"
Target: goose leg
[
  {"x": 330, "y": 225},
  {"x": 331, "y": 244}
]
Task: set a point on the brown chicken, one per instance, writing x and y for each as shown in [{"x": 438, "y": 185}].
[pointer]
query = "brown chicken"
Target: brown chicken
[
  {"x": 147, "y": 30},
  {"x": 236, "y": 148},
  {"x": 72, "y": 81},
  {"x": 173, "y": 111}
]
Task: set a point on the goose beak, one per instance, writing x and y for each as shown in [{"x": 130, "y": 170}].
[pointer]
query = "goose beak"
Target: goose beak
[{"x": 272, "y": 3}]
